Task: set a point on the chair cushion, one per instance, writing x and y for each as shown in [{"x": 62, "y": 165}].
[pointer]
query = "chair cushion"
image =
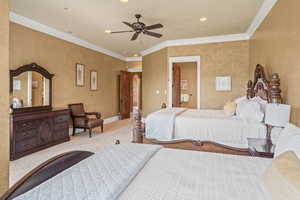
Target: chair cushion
[{"x": 92, "y": 123}]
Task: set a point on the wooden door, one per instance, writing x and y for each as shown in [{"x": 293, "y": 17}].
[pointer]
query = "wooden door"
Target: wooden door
[
  {"x": 176, "y": 85},
  {"x": 124, "y": 95}
]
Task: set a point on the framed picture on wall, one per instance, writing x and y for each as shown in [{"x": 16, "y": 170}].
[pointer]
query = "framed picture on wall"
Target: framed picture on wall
[
  {"x": 79, "y": 75},
  {"x": 94, "y": 80}
]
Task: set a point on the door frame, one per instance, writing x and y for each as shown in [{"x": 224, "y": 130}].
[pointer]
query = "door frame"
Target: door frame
[{"x": 170, "y": 79}]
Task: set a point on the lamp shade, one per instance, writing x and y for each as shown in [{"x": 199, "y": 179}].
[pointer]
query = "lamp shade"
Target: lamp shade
[{"x": 277, "y": 114}]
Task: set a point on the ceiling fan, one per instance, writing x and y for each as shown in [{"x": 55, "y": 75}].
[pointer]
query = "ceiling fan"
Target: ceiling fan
[{"x": 139, "y": 27}]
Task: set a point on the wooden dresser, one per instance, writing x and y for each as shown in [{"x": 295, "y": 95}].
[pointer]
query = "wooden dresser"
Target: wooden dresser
[{"x": 33, "y": 131}]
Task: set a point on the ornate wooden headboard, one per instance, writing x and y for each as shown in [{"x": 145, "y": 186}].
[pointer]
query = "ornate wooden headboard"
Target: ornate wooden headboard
[{"x": 260, "y": 86}]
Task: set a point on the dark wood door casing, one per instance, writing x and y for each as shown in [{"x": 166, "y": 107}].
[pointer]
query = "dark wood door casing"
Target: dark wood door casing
[
  {"x": 176, "y": 89},
  {"x": 124, "y": 95}
]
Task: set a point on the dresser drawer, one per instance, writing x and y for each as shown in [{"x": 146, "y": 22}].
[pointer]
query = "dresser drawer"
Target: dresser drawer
[
  {"x": 25, "y": 125},
  {"x": 26, "y": 145},
  {"x": 61, "y": 126},
  {"x": 24, "y": 134},
  {"x": 61, "y": 134},
  {"x": 61, "y": 118}
]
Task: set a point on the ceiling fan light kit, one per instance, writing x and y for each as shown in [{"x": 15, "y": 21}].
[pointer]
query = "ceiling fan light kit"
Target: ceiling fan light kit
[{"x": 139, "y": 27}]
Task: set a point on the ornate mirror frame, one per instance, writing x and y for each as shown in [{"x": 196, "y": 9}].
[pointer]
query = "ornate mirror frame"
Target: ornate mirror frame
[{"x": 36, "y": 68}]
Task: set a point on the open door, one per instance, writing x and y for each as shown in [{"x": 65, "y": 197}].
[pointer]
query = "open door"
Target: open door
[
  {"x": 176, "y": 85},
  {"x": 124, "y": 95}
]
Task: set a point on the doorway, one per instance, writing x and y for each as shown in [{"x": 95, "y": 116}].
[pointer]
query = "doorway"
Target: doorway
[
  {"x": 184, "y": 82},
  {"x": 130, "y": 93},
  {"x": 185, "y": 85}
]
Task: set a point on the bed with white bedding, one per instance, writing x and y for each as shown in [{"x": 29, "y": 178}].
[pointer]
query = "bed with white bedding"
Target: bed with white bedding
[
  {"x": 203, "y": 125},
  {"x": 217, "y": 127},
  {"x": 150, "y": 172}
]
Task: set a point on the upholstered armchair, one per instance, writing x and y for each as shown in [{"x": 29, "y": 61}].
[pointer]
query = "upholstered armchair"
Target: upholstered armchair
[{"x": 81, "y": 120}]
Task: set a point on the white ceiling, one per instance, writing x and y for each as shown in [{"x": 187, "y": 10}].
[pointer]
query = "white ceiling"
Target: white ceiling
[{"x": 88, "y": 19}]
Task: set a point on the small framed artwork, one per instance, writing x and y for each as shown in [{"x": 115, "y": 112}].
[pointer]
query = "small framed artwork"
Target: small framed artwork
[
  {"x": 79, "y": 75},
  {"x": 94, "y": 80},
  {"x": 223, "y": 83}
]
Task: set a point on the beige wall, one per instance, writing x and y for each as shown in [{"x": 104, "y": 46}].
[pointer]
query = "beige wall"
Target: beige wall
[
  {"x": 189, "y": 73},
  {"x": 217, "y": 59},
  {"x": 134, "y": 64},
  {"x": 59, "y": 57},
  {"x": 276, "y": 45},
  {"x": 4, "y": 95},
  {"x": 155, "y": 79}
]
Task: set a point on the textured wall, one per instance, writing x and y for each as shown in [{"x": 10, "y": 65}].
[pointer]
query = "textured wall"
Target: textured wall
[
  {"x": 4, "y": 95},
  {"x": 155, "y": 79},
  {"x": 276, "y": 45},
  {"x": 59, "y": 57},
  {"x": 218, "y": 59},
  {"x": 189, "y": 73}
]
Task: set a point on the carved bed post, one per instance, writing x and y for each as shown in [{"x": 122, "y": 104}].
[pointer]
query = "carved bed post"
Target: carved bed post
[
  {"x": 275, "y": 91},
  {"x": 250, "y": 90},
  {"x": 163, "y": 105},
  {"x": 138, "y": 130}
]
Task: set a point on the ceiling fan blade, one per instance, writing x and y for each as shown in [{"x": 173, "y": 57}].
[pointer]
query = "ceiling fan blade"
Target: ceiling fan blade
[
  {"x": 154, "y": 26},
  {"x": 121, "y": 31},
  {"x": 157, "y": 35},
  {"x": 134, "y": 36},
  {"x": 128, "y": 24}
]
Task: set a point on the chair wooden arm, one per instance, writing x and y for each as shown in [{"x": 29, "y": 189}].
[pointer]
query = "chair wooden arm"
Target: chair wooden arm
[
  {"x": 97, "y": 114},
  {"x": 79, "y": 116}
]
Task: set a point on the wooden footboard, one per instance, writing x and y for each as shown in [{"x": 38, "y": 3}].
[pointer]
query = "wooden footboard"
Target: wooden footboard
[
  {"x": 207, "y": 146},
  {"x": 194, "y": 145},
  {"x": 45, "y": 171}
]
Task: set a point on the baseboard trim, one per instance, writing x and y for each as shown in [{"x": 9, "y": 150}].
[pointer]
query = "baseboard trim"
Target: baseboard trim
[{"x": 111, "y": 119}]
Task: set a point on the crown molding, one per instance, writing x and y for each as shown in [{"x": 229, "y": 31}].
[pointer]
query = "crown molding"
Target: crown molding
[
  {"x": 135, "y": 69},
  {"x": 129, "y": 59},
  {"x": 261, "y": 15},
  {"x": 24, "y": 21},
  {"x": 199, "y": 40}
]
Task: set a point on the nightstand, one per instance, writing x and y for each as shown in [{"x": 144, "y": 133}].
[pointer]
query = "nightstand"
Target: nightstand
[{"x": 261, "y": 147}]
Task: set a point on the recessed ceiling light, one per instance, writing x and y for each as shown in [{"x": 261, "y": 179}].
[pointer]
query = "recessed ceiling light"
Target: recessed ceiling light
[
  {"x": 124, "y": 1},
  {"x": 203, "y": 19},
  {"x": 107, "y": 31},
  {"x": 135, "y": 55}
]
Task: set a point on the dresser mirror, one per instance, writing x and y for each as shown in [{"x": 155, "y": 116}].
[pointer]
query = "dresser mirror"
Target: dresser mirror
[{"x": 31, "y": 88}]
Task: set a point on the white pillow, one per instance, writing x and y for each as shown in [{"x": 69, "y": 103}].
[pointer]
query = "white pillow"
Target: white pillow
[
  {"x": 262, "y": 103},
  {"x": 249, "y": 110},
  {"x": 289, "y": 140},
  {"x": 238, "y": 100}
]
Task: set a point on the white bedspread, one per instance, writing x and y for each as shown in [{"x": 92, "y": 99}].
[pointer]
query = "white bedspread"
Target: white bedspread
[
  {"x": 214, "y": 125},
  {"x": 162, "y": 121},
  {"x": 102, "y": 176},
  {"x": 188, "y": 175}
]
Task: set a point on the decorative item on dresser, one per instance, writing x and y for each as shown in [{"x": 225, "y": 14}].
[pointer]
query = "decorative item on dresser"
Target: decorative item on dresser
[
  {"x": 260, "y": 87},
  {"x": 35, "y": 125}
]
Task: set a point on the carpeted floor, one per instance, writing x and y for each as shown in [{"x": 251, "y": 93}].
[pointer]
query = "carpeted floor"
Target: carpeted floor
[{"x": 120, "y": 130}]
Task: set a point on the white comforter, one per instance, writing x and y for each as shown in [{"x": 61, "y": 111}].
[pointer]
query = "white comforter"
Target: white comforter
[
  {"x": 150, "y": 172},
  {"x": 204, "y": 125},
  {"x": 189, "y": 175},
  {"x": 103, "y": 176},
  {"x": 162, "y": 121},
  {"x": 214, "y": 125}
]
